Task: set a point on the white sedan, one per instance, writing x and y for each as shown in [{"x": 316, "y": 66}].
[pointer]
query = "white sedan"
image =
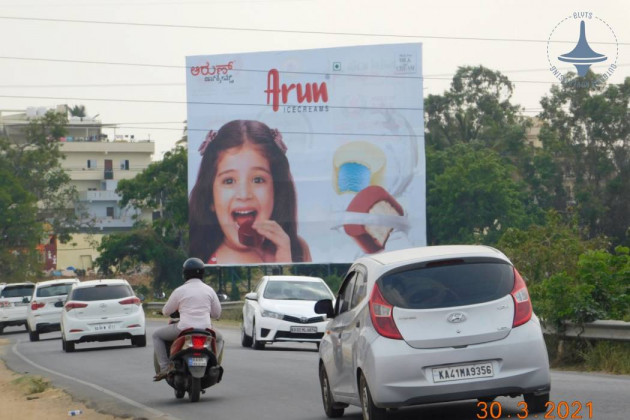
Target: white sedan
[
  {"x": 281, "y": 309},
  {"x": 102, "y": 310}
]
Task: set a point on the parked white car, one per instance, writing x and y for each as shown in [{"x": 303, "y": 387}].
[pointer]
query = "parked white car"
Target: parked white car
[
  {"x": 102, "y": 310},
  {"x": 44, "y": 312},
  {"x": 14, "y": 299},
  {"x": 431, "y": 324},
  {"x": 281, "y": 309}
]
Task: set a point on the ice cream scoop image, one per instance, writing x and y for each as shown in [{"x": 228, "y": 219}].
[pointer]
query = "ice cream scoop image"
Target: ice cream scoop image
[
  {"x": 356, "y": 165},
  {"x": 375, "y": 201},
  {"x": 248, "y": 236}
]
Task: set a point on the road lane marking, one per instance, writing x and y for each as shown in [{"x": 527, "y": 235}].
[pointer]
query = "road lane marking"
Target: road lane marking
[{"x": 154, "y": 412}]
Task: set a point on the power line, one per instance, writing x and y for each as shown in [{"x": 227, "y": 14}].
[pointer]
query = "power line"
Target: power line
[
  {"x": 198, "y": 102},
  {"x": 291, "y": 31}
]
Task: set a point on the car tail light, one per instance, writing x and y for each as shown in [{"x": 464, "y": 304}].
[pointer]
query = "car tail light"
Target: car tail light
[
  {"x": 382, "y": 314},
  {"x": 131, "y": 301},
  {"x": 522, "y": 303},
  {"x": 37, "y": 305},
  {"x": 74, "y": 305}
]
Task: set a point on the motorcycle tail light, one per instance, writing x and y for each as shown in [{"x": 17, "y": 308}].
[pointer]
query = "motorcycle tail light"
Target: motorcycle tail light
[{"x": 198, "y": 341}]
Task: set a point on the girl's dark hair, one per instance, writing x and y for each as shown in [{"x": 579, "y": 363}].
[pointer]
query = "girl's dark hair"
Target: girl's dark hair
[{"x": 205, "y": 232}]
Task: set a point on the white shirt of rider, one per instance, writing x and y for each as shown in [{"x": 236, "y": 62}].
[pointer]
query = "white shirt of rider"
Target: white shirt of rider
[{"x": 196, "y": 302}]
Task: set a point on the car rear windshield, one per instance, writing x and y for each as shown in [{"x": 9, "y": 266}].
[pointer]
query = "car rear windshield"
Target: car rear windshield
[
  {"x": 296, "y": 290},
  {"x": 446, "y": 285},
  {"x": 101, "y": 292},
  {"x": 17, "y": 291},
  {"x": 53, "y": 290}
]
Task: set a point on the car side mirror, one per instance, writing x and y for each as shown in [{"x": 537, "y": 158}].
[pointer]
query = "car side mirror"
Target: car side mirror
[
  {"x": 325, "y": 306},
  {"x": 251, "y": 296}
]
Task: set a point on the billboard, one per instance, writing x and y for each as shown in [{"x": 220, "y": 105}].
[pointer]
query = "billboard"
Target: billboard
[{"x": 312, "y": 156}]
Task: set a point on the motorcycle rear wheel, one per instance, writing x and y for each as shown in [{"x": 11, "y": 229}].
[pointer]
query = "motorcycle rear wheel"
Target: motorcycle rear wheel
[{"x": 195, "y": 389}]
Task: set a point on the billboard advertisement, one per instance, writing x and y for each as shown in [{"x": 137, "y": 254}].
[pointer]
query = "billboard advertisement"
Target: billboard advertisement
[{"x": 311, "y": 156}]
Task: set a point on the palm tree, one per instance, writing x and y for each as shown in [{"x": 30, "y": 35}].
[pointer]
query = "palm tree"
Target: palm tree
[{"x": 77, "y": 111}]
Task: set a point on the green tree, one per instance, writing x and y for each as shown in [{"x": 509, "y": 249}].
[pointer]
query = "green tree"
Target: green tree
[
  {"x": 78, "y": 111},
  {"x": 599, "y": 289},
  {"x": 36, "y": 197},
  {"x": 161, "y": 188},
  {"x": 543, "y": 250},
  {"x": 476, "y": 109},
  {"x": 143, "y": 245},
  {"x": 587, "y": 130},
  {"x": 472, "y": 196}
]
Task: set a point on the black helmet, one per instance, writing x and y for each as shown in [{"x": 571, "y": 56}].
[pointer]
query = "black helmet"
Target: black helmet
[{"x": 193, "y": 269}]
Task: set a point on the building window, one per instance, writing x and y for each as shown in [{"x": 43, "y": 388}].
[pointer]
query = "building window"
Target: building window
[
  {"x": 110, "y": 212},
  {"x": 91, "y": 163},
  {"x": 124, "y": 164}
]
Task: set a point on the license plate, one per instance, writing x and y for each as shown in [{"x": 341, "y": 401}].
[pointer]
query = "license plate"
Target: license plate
[
  {"x": 457, "y": 373},
  {"x": 304, "y": 330},
  {"x": 197, "y": 361},
  {"x": 105, "y": 327}
]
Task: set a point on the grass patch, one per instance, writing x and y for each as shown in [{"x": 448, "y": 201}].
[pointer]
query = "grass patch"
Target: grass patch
[
  {"x": 607, "y": 356},
  {"x": 589, "y": 355},
  {"x": 30, "y": 385}
]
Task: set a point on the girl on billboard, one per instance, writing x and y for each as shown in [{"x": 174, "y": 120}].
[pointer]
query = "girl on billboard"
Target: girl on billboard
[{"x": 243, "y": 207}]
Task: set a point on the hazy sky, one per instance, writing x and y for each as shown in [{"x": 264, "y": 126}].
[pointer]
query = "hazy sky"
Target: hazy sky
[{"x": 125, "y": 59}]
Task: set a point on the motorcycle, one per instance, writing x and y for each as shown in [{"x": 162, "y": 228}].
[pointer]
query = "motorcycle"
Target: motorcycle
[{"x": 195, "y": 361}]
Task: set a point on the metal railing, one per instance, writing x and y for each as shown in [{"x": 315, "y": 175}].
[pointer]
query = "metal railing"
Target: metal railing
[{"x": 596, "y": 330}]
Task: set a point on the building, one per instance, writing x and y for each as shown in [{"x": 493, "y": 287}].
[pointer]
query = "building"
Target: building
[{"x": 95, "y": 164}]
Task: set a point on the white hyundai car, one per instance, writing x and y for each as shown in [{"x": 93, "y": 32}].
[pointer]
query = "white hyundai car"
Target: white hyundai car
[
  {"x": 102, "y": 310},
  {"x": 14, "y": 299},
  {"x": 44, "y": 312},
  {"x": 281, "y": 309},
  {"x": 431, "y": 324}
]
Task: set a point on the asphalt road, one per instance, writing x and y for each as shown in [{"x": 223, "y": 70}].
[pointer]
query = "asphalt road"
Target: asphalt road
[{"x": 279, "y": 383}]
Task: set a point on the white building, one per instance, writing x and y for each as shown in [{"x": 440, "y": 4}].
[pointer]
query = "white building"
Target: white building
[{"x": 95, "y": 164}]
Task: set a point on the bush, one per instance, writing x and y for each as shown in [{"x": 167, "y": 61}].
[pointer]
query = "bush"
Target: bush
[{"x": 598, "y": 290}]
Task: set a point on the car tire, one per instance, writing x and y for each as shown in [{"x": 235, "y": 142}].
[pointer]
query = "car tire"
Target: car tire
[
  {"x": 67, "y": 346},
  {"x": 257, "y": 345},
  {"x": 370, "y": 411},
  {"x": 139, "y": 341},
  {"x": 32, "y": 335},
  {"x": 330, "y": 406},
  {"x": 536, "y": 403},
  {"x": 195, "y": 389},
  {"x": 246, "y": 340}
]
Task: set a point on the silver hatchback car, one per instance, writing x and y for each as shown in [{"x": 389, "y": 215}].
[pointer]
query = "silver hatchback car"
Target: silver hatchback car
[{"x": 431, "y": 324}]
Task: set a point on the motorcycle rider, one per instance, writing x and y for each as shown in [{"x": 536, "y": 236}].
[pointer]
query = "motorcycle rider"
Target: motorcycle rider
[{"x": 197, "y": 303}]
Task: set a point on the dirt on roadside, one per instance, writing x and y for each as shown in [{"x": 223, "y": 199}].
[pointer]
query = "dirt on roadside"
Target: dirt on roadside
[{"x": 31, "y": 397}]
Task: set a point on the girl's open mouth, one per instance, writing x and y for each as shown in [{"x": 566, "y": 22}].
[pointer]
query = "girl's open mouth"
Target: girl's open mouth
[{"x": 244, "y": 217}]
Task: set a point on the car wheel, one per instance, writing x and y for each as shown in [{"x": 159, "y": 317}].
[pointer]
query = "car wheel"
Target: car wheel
[
  {"x": 139, "y": 341},
  {"x": 257, "y": 345},
  {"x": 330, "y": 407},
  {"x": 246, "y": 340},
  {"x": 32, "y": 335},
  {"x": 536, "y": 403},
  {"x": 195, "y": 389},
  {"x": 68, "y": 346},
  {"x": 370, "y": 411}
]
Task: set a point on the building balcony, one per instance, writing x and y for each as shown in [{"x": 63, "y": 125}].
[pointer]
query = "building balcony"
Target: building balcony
[{"x": 98, "y": 196}]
